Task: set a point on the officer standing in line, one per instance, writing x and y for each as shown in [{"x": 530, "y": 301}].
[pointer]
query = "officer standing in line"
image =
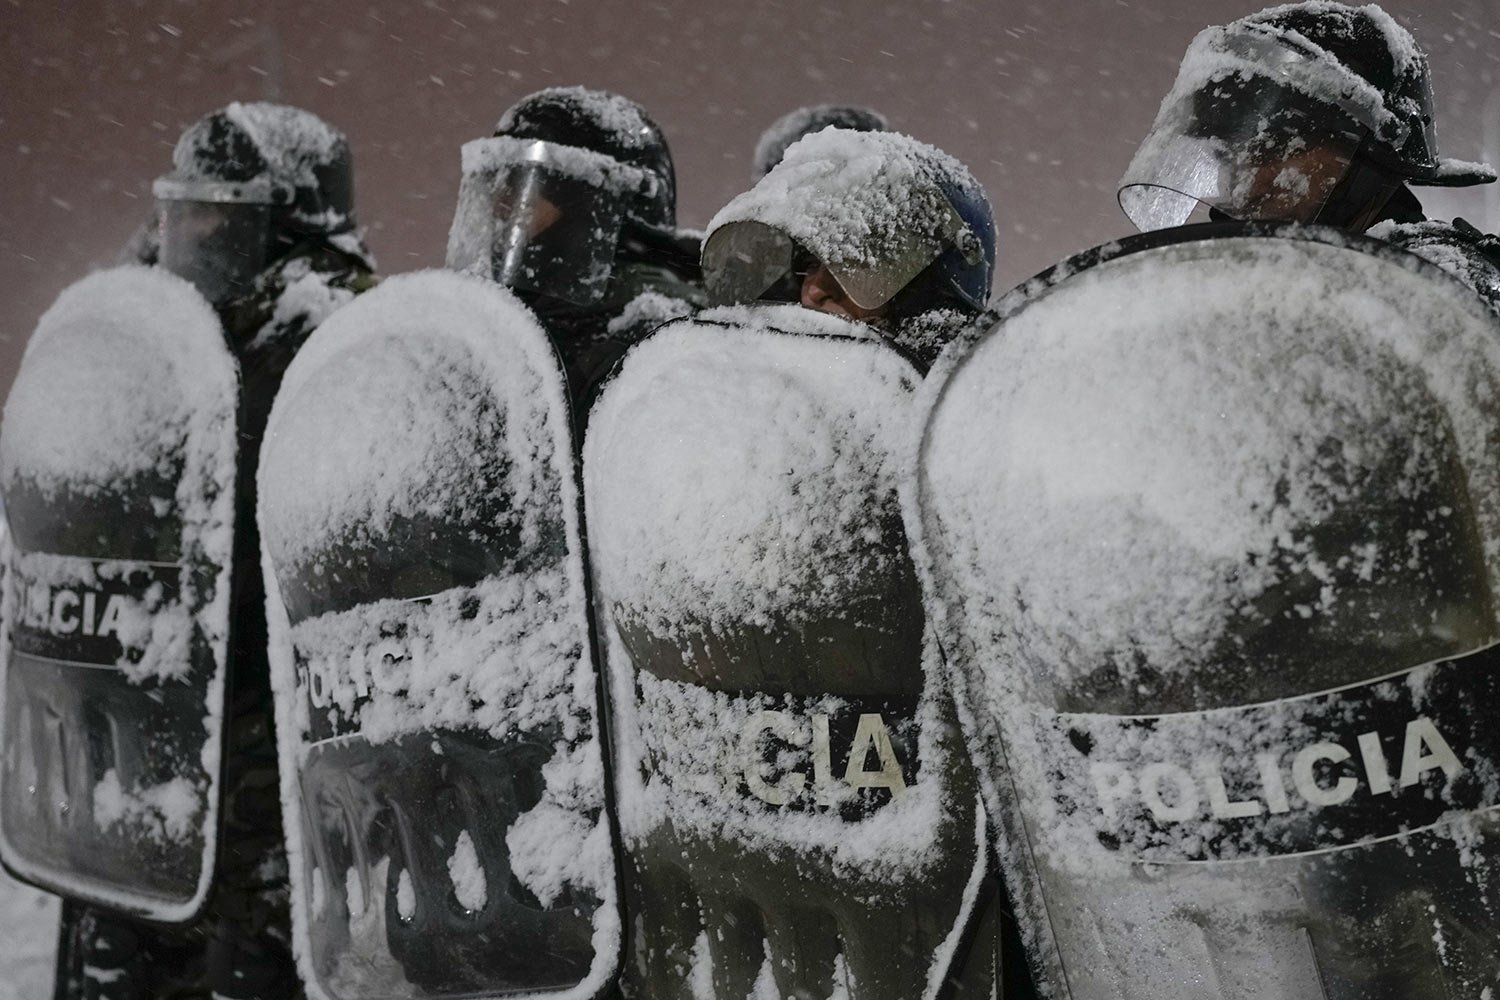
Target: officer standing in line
[
  {"x": 573, "y": 205},
  {"x": 258, "y": 213},
  {"x": 1313, "y": 112}
]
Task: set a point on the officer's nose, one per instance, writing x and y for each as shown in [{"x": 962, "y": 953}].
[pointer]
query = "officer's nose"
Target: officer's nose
[{"x": 821, "y": 291}]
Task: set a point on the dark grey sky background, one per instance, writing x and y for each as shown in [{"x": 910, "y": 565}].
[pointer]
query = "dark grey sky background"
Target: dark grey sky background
[{"x": 1044, "y": 101}]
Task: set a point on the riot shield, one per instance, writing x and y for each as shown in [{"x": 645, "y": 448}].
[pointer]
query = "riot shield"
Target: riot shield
[
  {"x": 117, "y": 459},
  {"x": 442, "y": 775},
  {"x": 797, "y": 820},
  {"x": 1211, "y": 524}
]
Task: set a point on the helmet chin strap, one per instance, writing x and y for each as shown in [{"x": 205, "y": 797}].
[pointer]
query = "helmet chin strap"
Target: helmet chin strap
[{"x": 1360, "y": 196}]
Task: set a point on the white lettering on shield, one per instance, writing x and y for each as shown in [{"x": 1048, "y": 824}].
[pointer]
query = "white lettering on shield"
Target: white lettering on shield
[
  {"x": 1322, "y": 774},
  {"x": 872, "y": 760},
  {"x": 65, "y": 611}
]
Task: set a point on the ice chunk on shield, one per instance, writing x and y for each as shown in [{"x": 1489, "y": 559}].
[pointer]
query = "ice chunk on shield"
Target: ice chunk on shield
[
  {"x": 1211, "y": 521},
  {"x": 117, "y": 459},
  {"x": 442, "y": 775},
  {"x": 796, "y": 814}
]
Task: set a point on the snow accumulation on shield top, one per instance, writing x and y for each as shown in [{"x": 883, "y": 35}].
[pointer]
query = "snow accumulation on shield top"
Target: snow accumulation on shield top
[
  {"x": 1175, "y": 460},
  {"x": 807, "y": 459},
  {"x": 415, "y": 419},
  {"x": 102, "y": 332}
]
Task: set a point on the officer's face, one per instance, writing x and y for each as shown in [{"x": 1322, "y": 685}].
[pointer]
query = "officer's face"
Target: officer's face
[
  {"x": 537, "y": 213},
  {"x": 1290, "y": 188},
  {"x": 821, "y": 291}
]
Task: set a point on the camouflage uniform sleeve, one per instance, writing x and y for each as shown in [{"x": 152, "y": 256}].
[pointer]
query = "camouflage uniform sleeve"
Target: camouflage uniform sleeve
[{"x": 649, "y": 296}]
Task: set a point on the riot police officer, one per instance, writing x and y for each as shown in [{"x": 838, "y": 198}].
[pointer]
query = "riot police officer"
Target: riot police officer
[
  {"x": 258, "y": 213},
  {"x": 738, "y": 882},
  {"x": 1311, "y": 112},
  {"x": 572, "y": 204}
]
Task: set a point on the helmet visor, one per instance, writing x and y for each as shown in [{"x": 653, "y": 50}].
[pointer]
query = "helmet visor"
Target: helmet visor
[
  {"x": 872, "y": 284},
  {"x": 219, "y": 246},
  {"x": 546, "y": 221},
  {"x": 742, "y": 260},
  {"x": 1244, "y": 133}
]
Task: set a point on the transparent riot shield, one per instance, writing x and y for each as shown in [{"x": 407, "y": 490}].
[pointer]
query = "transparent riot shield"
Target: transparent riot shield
[
  {"x": 442, "y": 775},
  {"x": 797, "y": 818},
  {"x": 1212, "y": 525},
  {"x": 117, "y": 460}
]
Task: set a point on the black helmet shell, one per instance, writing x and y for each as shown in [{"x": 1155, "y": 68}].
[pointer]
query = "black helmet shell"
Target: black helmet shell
[
  {"x": 968, "y": 267},
  {"x": 306, "y": 161},
  {"x": 608, "y": 124},
  {"x": 1364, "y": 44},
  {"x": 793, "y": 125}
]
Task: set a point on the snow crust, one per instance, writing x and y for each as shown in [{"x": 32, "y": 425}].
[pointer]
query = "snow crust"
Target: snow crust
[
  {"x": 104, "y": 331},
  {"x": 292, "y": 141},
  {"x": 1116, "y": 494},
  {"x": 470, "y": 887},
  {"x": 619, "y": 116},
  {"x": 396, "y": 455},
  {"x": 1166, "y": 552},
  {"x": 487, "y": 156},
  {"x": 646, "y": 311},
  {"x": 808, "y": 461},
  {"x": 153, "y": 627},
  {"x": 1213, "y": 56},
  {"x": 793, "y": 125},
  {"x": 1449, "y": 168},
  {"x": 306, "y": 300},
  {"x": 436, "y": 395},
  {"x": 854, "y": 198}
]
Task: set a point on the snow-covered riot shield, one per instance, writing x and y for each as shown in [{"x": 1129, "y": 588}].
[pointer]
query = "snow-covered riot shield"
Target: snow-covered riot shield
[
  {"x": 1212, "y": 529},
  {"x": 117, "y": 460},
  {"x": 797, "y": 817},
  {"x": 442, "y": 775}
]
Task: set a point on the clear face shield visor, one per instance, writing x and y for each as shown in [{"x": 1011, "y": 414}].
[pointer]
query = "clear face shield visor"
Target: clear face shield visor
[
  {"x": 1252, "y": 143},
  {"x": 215, "y": 234},
  {"x": 743, "y": 260},
  {"x": 541, "y": 217}
]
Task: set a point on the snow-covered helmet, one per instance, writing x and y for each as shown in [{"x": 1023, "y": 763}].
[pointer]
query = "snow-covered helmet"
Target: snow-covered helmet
[
  {"x": 241, "y": 176},
  {"x": 1285, "y": 114},
  {"x": 544, "y": 201},
  {"x": 879, "y": 209},
  {"x": 610, "y": 125},
  {"x": 285, "y": 154},
  {"x": 793, "y": 125}
]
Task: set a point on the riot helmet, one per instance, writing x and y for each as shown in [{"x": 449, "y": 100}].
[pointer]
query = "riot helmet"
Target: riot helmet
[
  {"x": 793, "y": 125},
  {"x": 544, "y": 202},
  {"x": 892, "y": 220},
  {"x": 245, "y": 181},
  {"x": 1309, "y": 112}
]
